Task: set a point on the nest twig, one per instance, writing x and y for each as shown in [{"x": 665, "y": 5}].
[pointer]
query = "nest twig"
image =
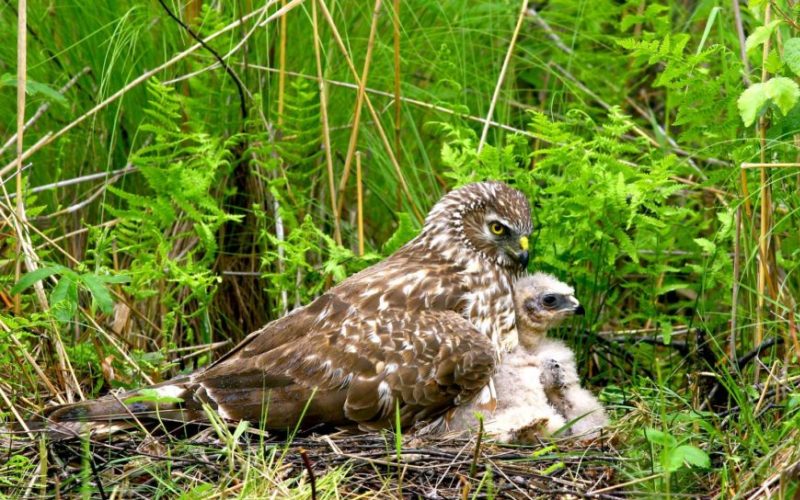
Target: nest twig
[{"x": 132, "y": 463}]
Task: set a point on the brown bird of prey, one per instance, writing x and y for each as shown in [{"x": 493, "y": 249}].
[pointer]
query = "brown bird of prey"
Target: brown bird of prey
[{"x": 418, "y": 332}]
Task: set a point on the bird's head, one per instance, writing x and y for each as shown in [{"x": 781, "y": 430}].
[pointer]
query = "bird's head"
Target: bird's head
[
  {"x": 491, "y": 219},
  {"x": 542, "y": 302}
]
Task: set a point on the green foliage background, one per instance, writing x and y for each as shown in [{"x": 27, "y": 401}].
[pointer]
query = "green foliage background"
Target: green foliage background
[{"x": 623, "y": 121}]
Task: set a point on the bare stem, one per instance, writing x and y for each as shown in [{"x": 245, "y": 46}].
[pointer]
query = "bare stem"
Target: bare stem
[
  {"x": 326, "y": 132},
  {"x": 764, "y": 223},
  {"x": 397, "y": 101},
  {"x": 311, "y": 478},
  {"x": 503, "y": 70},
  {"x": 374, "y": 114},
  {"x": 279, "y": 229},
  {"x": 360, "y": 205},
  {"x": 351, "y": 146},
  {"x": 282, "y": 68},
  {"x": 22, "y": 81}
]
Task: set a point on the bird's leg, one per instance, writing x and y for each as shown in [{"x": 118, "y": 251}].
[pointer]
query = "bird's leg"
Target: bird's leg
[
  {"x": 554, "y": 381},
  {"x": 553, "y": 376}
]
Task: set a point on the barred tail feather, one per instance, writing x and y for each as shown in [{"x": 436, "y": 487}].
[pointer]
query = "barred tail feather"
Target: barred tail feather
[{"x": 177, "y": 400}]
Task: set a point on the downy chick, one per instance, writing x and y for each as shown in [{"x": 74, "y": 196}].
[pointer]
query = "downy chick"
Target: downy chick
[{"x": 542, "y": 302}]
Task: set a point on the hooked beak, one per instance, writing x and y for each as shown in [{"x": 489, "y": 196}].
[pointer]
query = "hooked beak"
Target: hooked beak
[
  {"x": 577, "y": 307},
  {"x": 522, "y": 257}
]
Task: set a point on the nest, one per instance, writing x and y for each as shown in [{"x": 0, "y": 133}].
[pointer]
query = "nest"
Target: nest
[{"x": 342, "y": 465}]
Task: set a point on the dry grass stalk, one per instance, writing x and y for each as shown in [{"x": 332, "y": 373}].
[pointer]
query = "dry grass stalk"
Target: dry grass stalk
[
  {"x": 743, "y": 54},
  {"x": 38, "y": 369},
  {"x": 374, "y": 114},
  {"x": 765, "y": 390},
  {"x": 279, "y": 229},
  {"x": 326, "y": 132},
  {"x": 737, "y": 264},
  {"x": 550, "y": 32},
  {"x": 397, "y": 101},
  {"x": 282, "y": 68},
  {"x": 360, "y": 205},
  {"x": 763, "y": 242},
  {"x": 129, "y": 168},
  {"x": 503, "y": 70},
  {"x": 280, "y": 12},
  {"x": 737, "y": 15},
  {"x": 770, "y": 165},
  {"x": 22, "y": 82},
  {"x": 17, "y": 416},
  {"x": 351, "y": 146}
]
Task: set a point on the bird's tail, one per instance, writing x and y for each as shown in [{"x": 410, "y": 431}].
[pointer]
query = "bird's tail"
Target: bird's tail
[{"x": 177, "y": 400}]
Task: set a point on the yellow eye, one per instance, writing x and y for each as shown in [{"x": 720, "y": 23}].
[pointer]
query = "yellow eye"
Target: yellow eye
[{"x": 497, "y": 228}]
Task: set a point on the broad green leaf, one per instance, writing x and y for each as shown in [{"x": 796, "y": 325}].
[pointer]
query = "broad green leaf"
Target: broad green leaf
[
  {"x": 750, "y": 103},
  {"x": 99, "y": 292},
  {"x": 28, "y": 279},
  {"x": 64, "y": 299},
  {"x": 33, "y": 88},
  {"x": 782, "y": 91},
  {"x": 760, "y": 35},
  {"x": 791, "y": 55},
  {"x": 61, "y": 291},
  {"x": 686, "y": 456},
  {"x": 773, "y": 63},
  {"x": 658, "y": 437}
]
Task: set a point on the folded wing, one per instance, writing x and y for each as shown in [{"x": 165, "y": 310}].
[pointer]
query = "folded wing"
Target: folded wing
[{"x": 324, "y": 363}]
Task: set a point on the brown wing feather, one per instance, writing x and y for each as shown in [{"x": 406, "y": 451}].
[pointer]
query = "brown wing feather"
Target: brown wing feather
[{"x": 353, "y": 370}]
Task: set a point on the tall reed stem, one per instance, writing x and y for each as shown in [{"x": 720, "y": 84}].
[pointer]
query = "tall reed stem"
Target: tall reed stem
[
  {"x": 326, "y": 131},
  {"x": 351, "y": 146}
]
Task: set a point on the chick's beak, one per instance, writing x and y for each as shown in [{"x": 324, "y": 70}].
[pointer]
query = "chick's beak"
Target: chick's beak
[
  {"x": 577, "y": 307},
  {"x": 522, "y": 257}
]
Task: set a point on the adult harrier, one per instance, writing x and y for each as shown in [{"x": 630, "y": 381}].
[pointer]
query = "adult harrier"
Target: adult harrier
[{"x": 418, "y": 331}]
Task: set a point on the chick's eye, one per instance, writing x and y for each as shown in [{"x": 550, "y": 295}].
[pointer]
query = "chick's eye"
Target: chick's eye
[
  {"x": 549, "y": 300},
  {"x": 497, "y": 228}
]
